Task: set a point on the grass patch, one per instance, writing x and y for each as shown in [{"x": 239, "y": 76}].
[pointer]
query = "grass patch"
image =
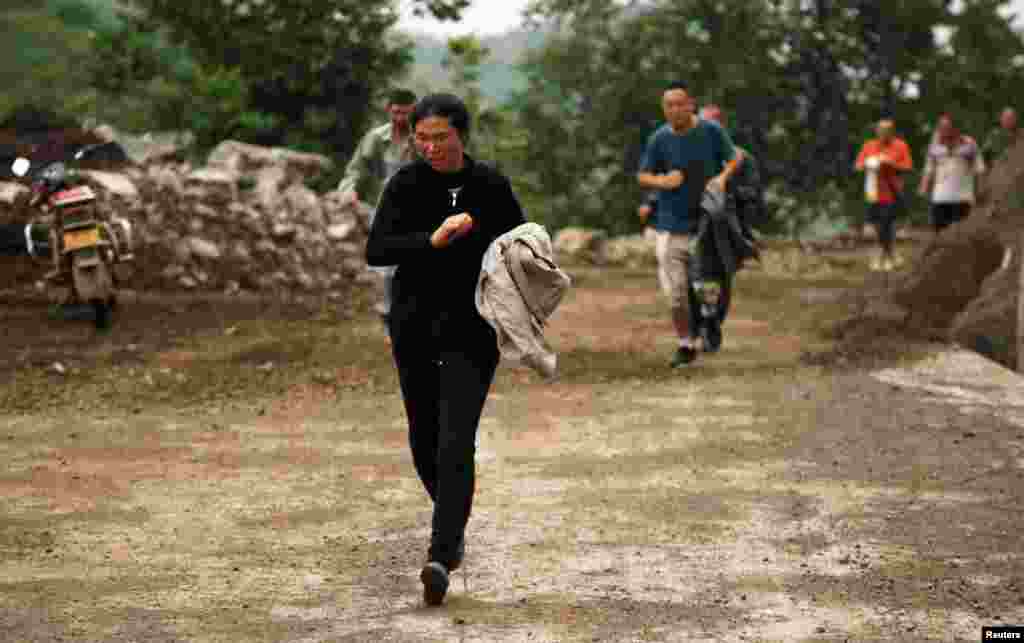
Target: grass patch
[
  {"x": 587, "y": 365},
  {"x": 256, "y": 359}
]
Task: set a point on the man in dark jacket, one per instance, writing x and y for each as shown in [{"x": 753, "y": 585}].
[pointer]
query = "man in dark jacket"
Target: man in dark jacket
[
  {"x": 435, "y": 220},
  {"x": 725, "y": 239},
  {"x": 719, "y": 249},
  {"x": 745, "y": 189}
]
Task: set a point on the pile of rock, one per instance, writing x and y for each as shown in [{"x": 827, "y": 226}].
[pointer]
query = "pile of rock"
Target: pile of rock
[
  {"x": 244, "y": 220},
  {"x": 594, "y": 246}
]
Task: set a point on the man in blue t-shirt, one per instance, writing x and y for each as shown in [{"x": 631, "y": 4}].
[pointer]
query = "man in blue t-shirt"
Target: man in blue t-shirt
[{"x": 683, "y": 157}]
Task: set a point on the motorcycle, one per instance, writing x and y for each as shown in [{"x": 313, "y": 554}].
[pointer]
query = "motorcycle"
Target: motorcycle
[{"x": 83, "y": 243}]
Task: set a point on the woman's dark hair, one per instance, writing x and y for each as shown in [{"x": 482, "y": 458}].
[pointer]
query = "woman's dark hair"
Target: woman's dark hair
[
  {"x": 445, "y": 106},
  {"x": 401, "y": 96}
]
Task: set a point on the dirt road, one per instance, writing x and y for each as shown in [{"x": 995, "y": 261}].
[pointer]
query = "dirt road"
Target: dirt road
[{"x": 215, "y": 472}]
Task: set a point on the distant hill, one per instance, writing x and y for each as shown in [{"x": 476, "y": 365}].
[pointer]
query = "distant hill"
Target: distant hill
[{"x": 499, "y": 77}]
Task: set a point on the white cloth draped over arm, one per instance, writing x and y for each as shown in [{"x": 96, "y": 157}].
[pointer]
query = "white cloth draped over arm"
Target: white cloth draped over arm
[{"x": 519, "y": 288}]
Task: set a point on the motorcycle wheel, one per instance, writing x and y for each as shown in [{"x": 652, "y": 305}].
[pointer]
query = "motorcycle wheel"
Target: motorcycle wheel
[{"x": 102, "y": 312}]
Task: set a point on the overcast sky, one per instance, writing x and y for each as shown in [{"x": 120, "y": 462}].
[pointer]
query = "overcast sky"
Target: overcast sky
[
  {"x": 502, "y": 15},
  {"x": 498, "y": 16}
]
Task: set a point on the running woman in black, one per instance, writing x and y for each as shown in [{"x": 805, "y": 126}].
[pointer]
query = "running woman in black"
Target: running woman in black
[{"x": 435, "y": 220}]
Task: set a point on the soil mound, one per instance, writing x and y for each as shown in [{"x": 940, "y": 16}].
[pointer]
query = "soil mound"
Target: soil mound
[{"x": 963, "y": 286}]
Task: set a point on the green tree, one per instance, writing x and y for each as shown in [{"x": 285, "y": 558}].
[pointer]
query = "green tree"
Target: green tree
[
  {"x": 988, "y": 56},
  {"x": 594, "y": 92},
  {"x": 802, "y": 82},
  {"x": 39, "y": 60},
  {"x": 308, "y": 71},
  {"x": 463, "y": 61},
  {"x": 465, "y": 56}
]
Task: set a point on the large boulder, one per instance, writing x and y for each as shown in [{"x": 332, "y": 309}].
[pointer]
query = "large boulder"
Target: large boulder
[
  {"x": 988, "y": 323},
  {"x": 303, "y": 204},
  {"x": 115, "y": 184},
  {"x": 203, "y": 248},
  {"x": 581, "y": 244},
  {"x": 212, "y": 185},
  {"x": 151, "y": 147},
  {"x": 1003, "y": 196},
  {"x": 243, "y": 158},
  {"x": 166, "y": 178},
  {"x": 338, "y": 209},
  {"x": 631, "y": 250},
  {"x": 265, "y": 193},
  {"x": 11, "y": 194},
  {"x": 949, "y": 274}
]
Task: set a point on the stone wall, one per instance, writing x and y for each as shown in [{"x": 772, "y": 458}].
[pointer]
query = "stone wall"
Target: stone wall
[{"x": 244, "y": 220}]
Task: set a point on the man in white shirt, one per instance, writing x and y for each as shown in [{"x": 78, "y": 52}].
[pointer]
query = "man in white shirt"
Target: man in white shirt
[{"x": 952, "y": 167}]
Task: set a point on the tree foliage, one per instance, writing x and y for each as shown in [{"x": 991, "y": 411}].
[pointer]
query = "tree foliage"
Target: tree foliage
[
  {"x": 801, "y": 81},
  {"x": 39, "y": 59},
  {"x": 276, "y": 72}
]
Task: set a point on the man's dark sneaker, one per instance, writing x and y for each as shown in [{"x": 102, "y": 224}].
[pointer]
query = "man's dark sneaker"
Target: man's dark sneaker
[
  {"x": 435, "y": 583},
  {"x": 712, "y": 333},
  {"x": 684, "y": 355},
  {"x": 460, "y": 555}
]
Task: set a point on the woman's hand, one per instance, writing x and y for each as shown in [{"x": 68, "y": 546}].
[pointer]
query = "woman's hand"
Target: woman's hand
[{"x": 455, "y": 226}]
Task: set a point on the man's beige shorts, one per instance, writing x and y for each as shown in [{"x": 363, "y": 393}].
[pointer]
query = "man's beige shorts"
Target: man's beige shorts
[{"x": 672, "y": 250}]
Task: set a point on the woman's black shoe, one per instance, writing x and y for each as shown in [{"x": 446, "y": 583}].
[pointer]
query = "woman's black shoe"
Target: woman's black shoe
[{"x": 435, "y": 583}]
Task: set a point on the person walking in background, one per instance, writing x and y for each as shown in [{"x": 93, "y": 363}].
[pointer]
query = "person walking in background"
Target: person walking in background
[
  {"x": 682, "y": 158},
  {"x": 745, "y": 188},
  {"x": 1003, "y": 137},
  {"x": 952, "y": 166},
  {"x": 746, "y": 198},
  {"x": 380, "y": 153},
  {"x": 884, "y": 160},
  {"x": 435, "y": 221}
]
